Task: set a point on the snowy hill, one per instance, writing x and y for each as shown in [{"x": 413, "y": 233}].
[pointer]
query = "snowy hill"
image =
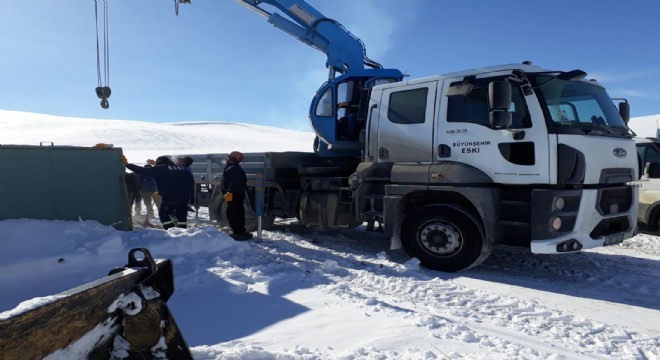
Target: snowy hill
[
  {"x": 302, "y": 294},
  {"x": 139, "y": 139}
]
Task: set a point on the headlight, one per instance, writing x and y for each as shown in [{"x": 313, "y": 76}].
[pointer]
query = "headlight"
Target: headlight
[{"x": 556, "y": 223}]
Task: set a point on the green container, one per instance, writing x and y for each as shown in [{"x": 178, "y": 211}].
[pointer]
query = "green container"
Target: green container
[{"x": 63, "y": 183}]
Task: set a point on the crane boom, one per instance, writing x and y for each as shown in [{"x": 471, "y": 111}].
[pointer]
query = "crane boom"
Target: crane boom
[
  {"x": 334, "y": 110},
  {"x": 344, "y": 50}
]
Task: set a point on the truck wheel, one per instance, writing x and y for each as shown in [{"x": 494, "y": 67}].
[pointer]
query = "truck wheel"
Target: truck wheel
[
  {"x": 654, "y": 220},
  {"x": 445, "y": 237}
]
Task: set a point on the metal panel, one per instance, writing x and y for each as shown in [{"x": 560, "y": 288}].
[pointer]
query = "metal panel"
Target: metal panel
[
  {"x": 25, "y": 193},
  {"x": 63, "y": 183}
]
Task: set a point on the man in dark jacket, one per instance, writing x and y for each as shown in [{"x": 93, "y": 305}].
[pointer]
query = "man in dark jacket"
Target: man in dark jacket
[
  {"x": 234, "y": 183},
  {"x": 132, "y": 189},
  {"x": 174, "y": 184},
  {"x": 186, "y": 162},
  {"x": 147, "y": 189}
]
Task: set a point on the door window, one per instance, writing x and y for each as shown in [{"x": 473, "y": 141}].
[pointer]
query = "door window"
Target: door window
[
  {"x": 325, "y": 104},
  {"x": 648, "y": 154},
  {"x": 408, "y": 106},
  {"x": 472, "y": 107}
]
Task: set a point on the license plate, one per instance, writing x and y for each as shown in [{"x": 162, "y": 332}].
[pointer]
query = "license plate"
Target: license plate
[{"x": 613, "y": 239}]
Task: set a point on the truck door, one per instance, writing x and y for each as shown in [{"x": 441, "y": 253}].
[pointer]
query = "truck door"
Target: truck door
[
  {"x": 405, "y": 123},
  {"x": 517, "y": 155}
]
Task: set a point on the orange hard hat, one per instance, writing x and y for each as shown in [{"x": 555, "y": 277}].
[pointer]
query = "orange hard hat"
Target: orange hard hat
[{"x": 236, "y": 155}]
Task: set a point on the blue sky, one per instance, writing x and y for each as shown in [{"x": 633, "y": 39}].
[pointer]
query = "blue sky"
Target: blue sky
[{"x": 218, "y": 61}]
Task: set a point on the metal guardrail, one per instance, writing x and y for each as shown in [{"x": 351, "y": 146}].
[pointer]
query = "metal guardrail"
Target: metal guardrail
[{"x": 208, "y": 169}]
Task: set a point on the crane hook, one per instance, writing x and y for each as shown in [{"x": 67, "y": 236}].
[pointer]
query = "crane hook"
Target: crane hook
[{"x": 103, "y": 92}]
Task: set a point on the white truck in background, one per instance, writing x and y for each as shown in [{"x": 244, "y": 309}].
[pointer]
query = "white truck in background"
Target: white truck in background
[{"x": 648, "y": 216}]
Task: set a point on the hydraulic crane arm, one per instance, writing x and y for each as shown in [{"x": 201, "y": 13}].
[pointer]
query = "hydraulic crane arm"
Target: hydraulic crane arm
[
  {"x": 334, "y": 109},
  {"x": 344, "y": 50}
]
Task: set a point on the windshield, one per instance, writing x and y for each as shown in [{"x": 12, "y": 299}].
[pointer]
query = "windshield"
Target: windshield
[{"x": 577, "y": 106}]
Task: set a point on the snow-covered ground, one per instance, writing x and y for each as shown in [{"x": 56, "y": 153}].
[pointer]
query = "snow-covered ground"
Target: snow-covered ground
[{"x": 306, "y": 294}]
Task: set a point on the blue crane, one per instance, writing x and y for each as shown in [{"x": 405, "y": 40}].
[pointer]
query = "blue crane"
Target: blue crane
[{"x": 335, "y": 113}]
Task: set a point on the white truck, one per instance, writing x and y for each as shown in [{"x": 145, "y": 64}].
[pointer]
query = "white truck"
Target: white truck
[
  {"x": 454, "y": 164},
  {"x": 648, "y": 216}
]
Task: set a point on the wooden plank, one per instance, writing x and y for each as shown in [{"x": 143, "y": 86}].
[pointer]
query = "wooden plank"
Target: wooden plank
[{"x": 43, "y": 330}]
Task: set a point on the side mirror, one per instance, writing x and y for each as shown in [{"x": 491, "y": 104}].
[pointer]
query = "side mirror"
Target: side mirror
[
  {"x": 499, "y": 102},
  {"x": 652, "y": 170},
  {"x": 499, "y": 96},
  {"x": 500, "y": 119},
  {"x": 624, "y": 111}
]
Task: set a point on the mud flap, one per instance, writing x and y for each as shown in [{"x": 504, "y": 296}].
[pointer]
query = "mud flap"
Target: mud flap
[{"x": 123, "y": 315}]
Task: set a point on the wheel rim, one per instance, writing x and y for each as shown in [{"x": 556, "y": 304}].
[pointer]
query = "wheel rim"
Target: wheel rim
[{"x": 440, "y": 238}]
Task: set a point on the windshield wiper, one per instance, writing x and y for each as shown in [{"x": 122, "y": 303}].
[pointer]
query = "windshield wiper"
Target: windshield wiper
[{"x": 596, "y": 128}]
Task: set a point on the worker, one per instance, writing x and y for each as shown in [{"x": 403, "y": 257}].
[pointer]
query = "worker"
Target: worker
[
  {"x": 147, "y": 189},
  {"x": 186, "y": 162},
  {"x": 234, "y": 183},
  {"x": 132, "y": 191},
  {"x": 175, "y": 185}
]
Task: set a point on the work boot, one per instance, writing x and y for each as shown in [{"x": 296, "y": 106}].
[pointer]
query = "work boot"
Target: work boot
[{"x": 242, "y": 236}]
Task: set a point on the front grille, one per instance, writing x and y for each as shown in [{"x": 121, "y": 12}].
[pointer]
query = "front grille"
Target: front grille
[{"x": 614, "y": 200}]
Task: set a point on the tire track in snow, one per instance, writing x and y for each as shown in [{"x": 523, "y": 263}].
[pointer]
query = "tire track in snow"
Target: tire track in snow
[
  {"x": 465, "y": 324},
  {"x": 502, "y": 319},
  {"x": 506, "y": 320},
  {"x": 500, "y": 323}
]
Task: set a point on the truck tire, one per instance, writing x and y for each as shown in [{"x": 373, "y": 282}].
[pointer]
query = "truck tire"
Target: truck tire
[
  {"x": 653, "y": 224},
  {"x": 445, "y": 237}
]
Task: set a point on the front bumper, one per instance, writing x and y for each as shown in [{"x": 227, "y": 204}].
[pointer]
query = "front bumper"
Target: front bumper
[{"x": 588, "y": 218}]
